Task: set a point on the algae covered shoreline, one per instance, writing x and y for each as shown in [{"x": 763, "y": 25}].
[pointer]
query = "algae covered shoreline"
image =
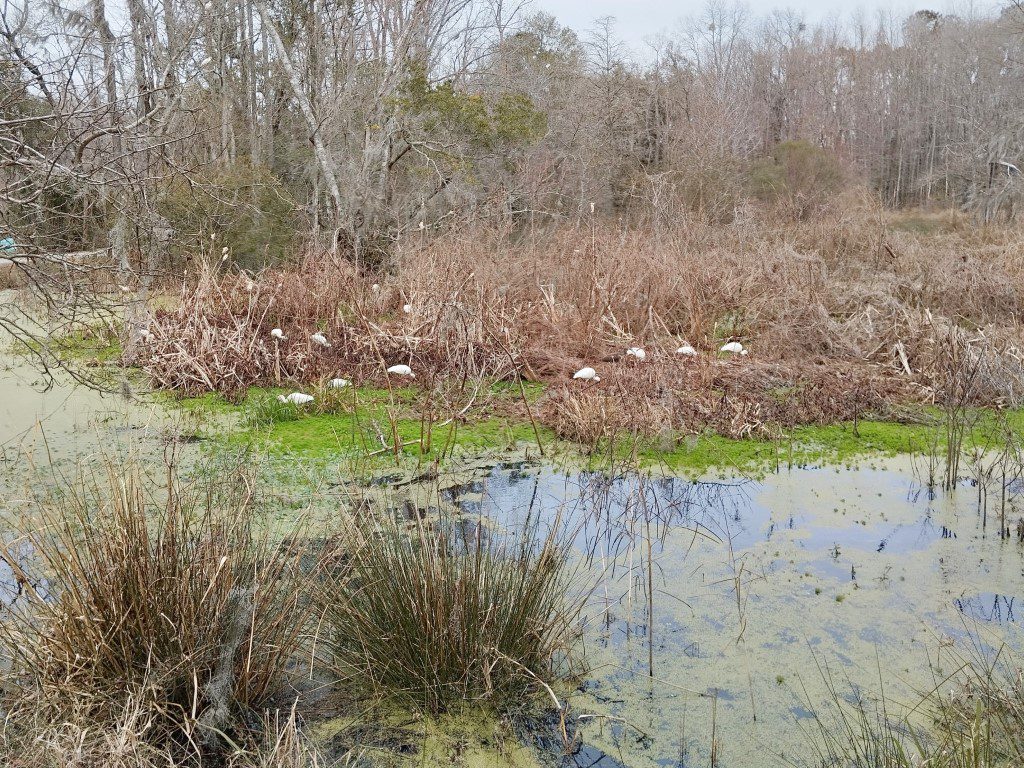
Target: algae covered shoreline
[{"x": 356, "y": 427}]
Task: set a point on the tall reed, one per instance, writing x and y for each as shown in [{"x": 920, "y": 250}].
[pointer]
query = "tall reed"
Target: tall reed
[{"x": 971, "y": 719}]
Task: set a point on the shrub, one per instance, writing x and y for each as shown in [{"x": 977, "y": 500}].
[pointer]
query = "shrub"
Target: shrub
[
  {"x": 798, "y": 174},
  {"x": 165, "y": 611},
  {"x": 438, "y": 617},
  {"x": 245, "y": 206}
]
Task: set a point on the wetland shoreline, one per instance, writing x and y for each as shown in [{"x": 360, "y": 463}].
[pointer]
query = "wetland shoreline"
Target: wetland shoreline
[{"x": 729, "y": 553}]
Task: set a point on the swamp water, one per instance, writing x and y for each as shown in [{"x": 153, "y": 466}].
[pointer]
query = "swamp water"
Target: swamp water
[{"x": 724, "y": 610}]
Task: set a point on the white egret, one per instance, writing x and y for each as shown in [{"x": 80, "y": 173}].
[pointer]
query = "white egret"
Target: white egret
[
  {"x": 636, "y": 352},
  {"x": 402, "y": 370},
  {"x": 586, "y": 374},
  {"x": 296, "y": 398},
  {"x": 733, "y": 347},
  {"x": 687, "y": 351},
  {"x": 338, "y": 383},
  {"x": 278, "y": 334},
  {"x": 407, "y": 308},
  {"x": 320, "y": 339}
]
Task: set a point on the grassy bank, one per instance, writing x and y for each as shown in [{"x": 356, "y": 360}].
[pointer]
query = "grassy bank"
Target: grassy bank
[{"x": 363, "y": 425}]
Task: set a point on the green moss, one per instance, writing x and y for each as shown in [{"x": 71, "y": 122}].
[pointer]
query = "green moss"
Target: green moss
[
  {"x": 98, "y": 345},
  {"x": 360, "y": 432},
  {"x": 362, "y": 423},
  {"x": 801, "y": 445}
]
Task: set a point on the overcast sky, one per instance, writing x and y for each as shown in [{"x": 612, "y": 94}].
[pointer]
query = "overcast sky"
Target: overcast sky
[{"x": 638, "y": 19}]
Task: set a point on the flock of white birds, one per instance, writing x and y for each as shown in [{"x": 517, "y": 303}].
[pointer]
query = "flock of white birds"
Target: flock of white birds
[
  {"x": 583, "y": 374},
  {"x": 301, "y": 398},
  {"x": 639, "y": 354}
]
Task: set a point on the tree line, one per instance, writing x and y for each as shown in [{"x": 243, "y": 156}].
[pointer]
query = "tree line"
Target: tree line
[{"x": 155, "y": 128}]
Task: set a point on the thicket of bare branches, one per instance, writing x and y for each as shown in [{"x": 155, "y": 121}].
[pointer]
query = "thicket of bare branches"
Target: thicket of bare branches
[{"x": 144, "y": 127}]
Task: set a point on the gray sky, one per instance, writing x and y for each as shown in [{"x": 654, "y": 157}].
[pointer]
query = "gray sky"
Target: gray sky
[{"x": 637, "y": 19}]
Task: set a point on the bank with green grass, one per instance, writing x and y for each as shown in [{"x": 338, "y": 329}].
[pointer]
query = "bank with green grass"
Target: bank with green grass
[{"x": 405, "y": 426}]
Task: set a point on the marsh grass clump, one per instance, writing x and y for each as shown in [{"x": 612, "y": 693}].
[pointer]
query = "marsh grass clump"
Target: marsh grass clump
[
  {"x": 161, "y": 616},
  {"x": 267, "y": 411},
  {"x": 441, "y": 615},
  {"x": 976, "y": 723}
]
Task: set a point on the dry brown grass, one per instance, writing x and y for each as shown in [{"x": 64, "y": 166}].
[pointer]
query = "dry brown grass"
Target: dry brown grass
[
  {"x": 834, "y": 310},
  {"x": 148, "y": 622}
]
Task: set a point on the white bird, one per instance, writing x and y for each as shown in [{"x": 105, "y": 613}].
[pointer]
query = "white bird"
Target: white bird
[
  {"x": 205, "y": 61},
  {"x": 402, "y": 370},
  {"x": 338, "y": 383},
  {"x": 278, "y": 334},
  {"x": 320, "y": 339},
  {"x": 296, "y": 398},
  {"x": 636, "y": 352},
  {"x": 586, "y": 374},
  {"x": 687, "y": 350},
  {"x": 407, "y": 308},
  {"x": 733, "y": 347}
]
